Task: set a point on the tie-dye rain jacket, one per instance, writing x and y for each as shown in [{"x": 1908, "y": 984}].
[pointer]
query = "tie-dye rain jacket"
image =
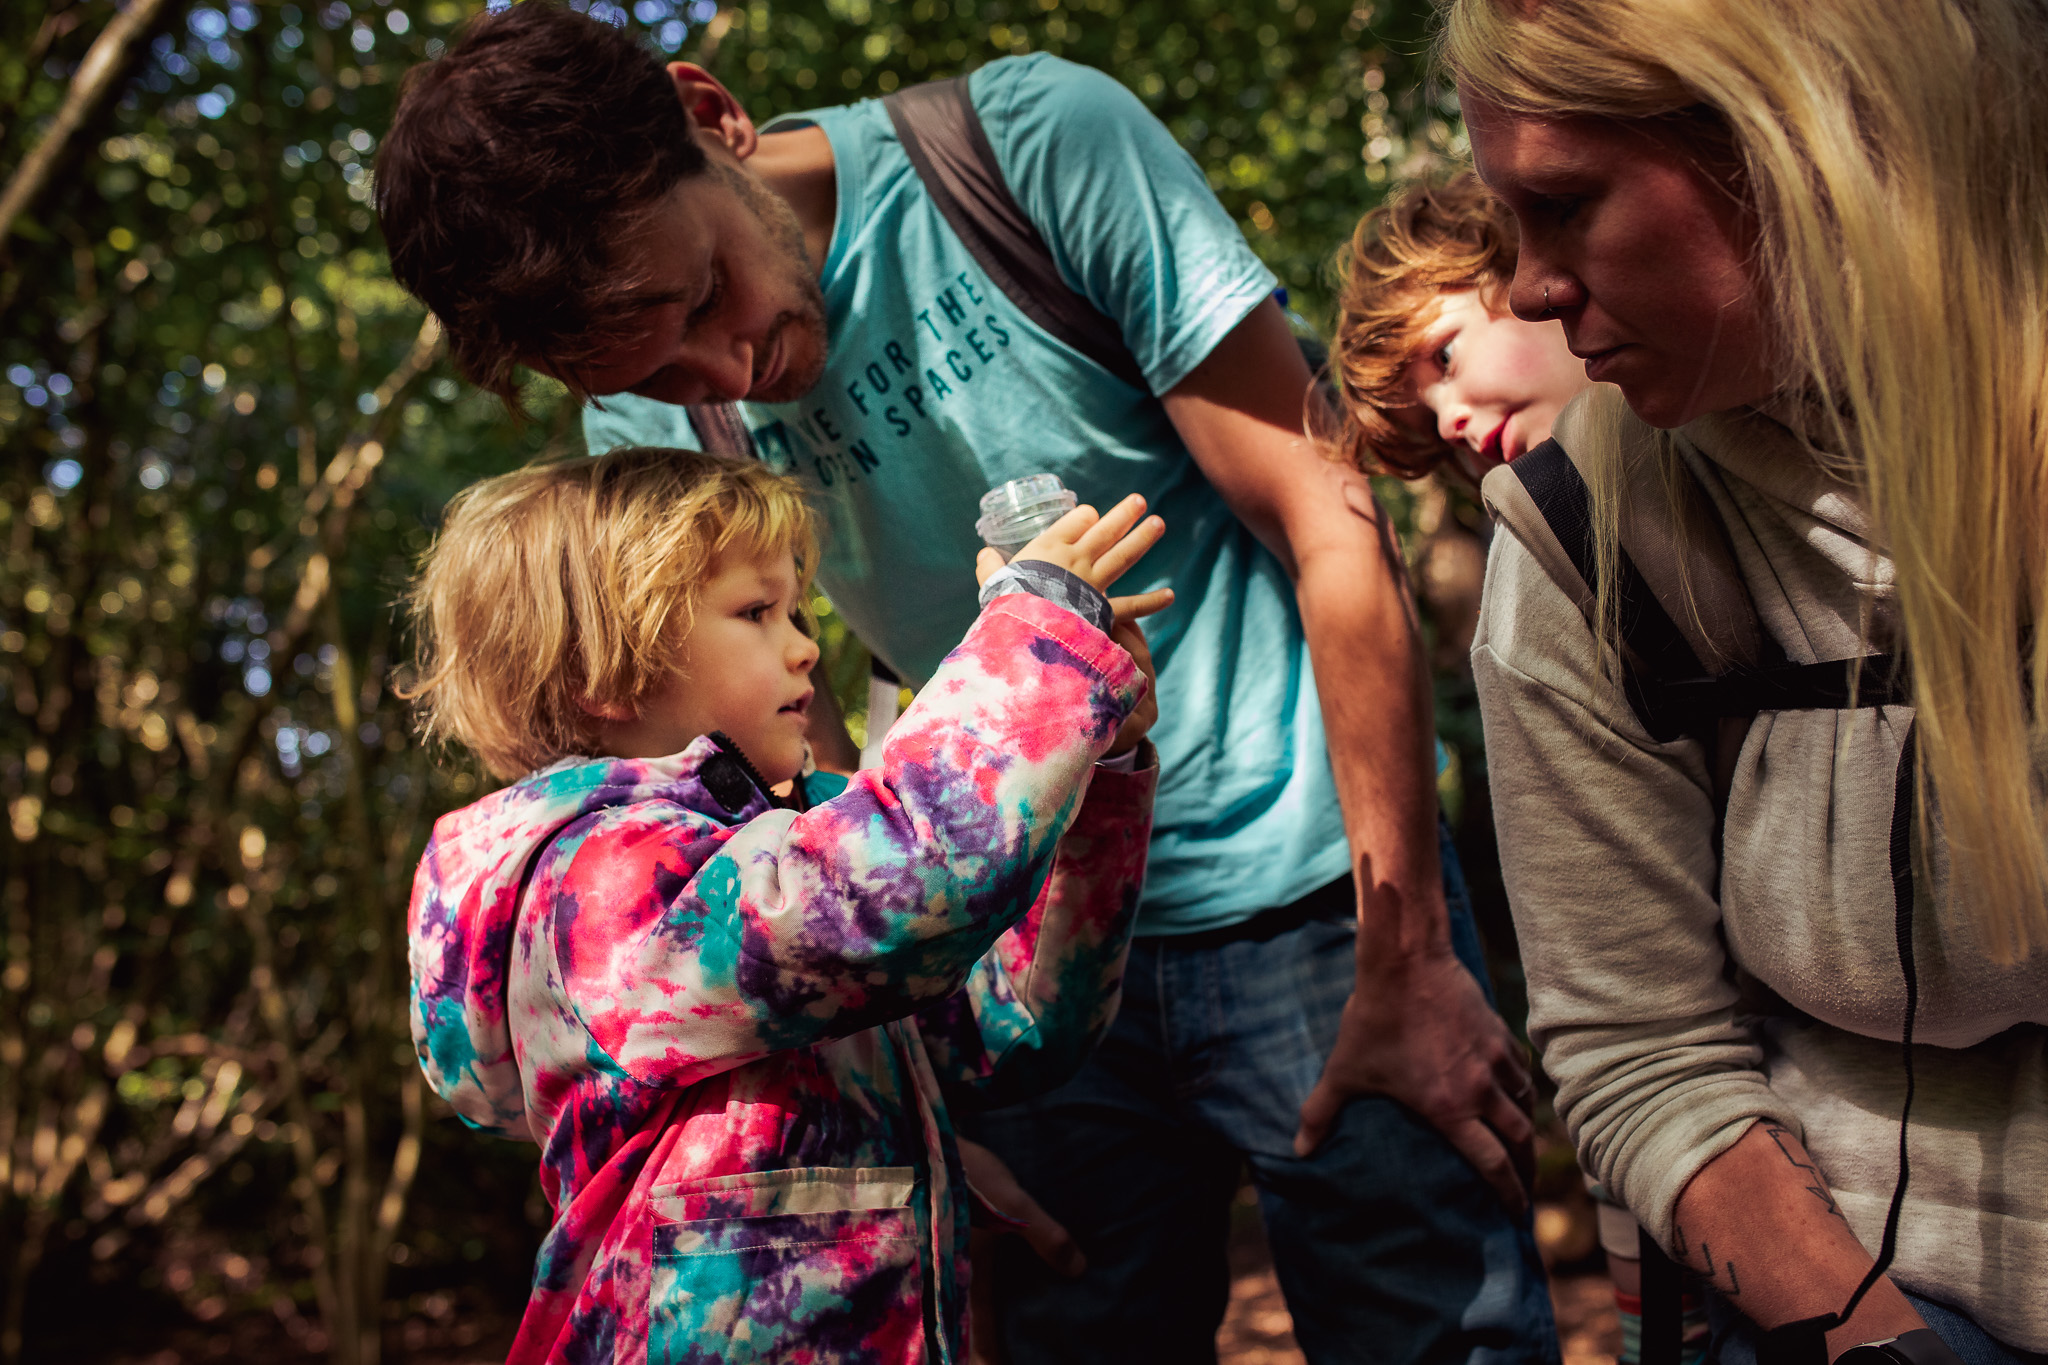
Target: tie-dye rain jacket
[{"x": 727, "y": 1024}]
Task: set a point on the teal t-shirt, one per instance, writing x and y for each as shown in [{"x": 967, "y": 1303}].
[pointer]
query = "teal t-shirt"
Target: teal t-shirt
[{"x": 937, "y": 389}]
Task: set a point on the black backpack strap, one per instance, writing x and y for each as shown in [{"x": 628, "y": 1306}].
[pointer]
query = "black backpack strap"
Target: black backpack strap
[
  {"x": 1671, "y": 692},
  {"x": 1879, "y": 680},
  {"x": 721, "y": 430},
  {"x": 948, "y": 146},
  {"x": 1655, "y": 647}
]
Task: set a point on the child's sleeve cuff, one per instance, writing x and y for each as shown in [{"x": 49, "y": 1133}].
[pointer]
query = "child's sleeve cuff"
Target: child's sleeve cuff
[{"x": 1055, "y": 585}]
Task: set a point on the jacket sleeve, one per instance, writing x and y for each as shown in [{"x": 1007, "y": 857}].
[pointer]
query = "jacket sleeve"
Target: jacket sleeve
[
  {"x": 1606, "y": 841},
  {"x": 706, "y": 949},
  {"x": 1037, "y": 1004}
]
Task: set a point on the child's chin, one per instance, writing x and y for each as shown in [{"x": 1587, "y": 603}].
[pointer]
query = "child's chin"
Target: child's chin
[{"x": 780, "y": 768}]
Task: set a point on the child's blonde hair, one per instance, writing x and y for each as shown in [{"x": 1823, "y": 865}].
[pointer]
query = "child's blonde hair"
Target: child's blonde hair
[
  {"x": 572, "y": 583},
  {"x": 1897, "y": 159},
  {"x": 1426, "y": 241}
]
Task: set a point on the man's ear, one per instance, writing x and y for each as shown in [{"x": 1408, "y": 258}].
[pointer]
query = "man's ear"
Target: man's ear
[{"x": 714, "y": 112}]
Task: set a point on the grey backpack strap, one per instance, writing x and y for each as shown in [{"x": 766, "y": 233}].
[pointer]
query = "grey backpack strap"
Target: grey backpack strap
[
  {"x": 721, "y": 430},
  {"x": 950, "y": 150}
]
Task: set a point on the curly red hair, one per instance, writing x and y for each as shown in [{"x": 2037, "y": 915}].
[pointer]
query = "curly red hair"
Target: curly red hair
[{"x": 1428, "y": 240}]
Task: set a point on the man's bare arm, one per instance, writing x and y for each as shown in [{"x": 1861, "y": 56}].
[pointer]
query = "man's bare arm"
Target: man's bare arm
[{"x": 1417, "y": 1026}]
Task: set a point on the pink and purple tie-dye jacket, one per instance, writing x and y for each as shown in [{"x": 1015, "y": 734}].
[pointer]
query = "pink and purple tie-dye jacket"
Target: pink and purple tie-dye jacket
[{"x": 728, "y": 1024}]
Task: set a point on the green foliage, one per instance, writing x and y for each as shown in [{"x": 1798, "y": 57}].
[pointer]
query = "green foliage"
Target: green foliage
[
  {"x": 225, "y": 435},
  {"x": 1300, "y": 110}
]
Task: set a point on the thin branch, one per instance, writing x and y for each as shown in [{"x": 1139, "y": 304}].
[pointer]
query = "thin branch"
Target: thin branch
[
  {"x": 57, "y": 22},
  {"x": 91, "y": 85}
]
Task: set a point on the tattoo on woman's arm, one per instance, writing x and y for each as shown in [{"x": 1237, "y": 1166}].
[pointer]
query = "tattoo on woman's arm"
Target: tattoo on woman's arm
[
  {"x": 1789, "y": 1148},
  {"x": 1721, "y": 1277}
]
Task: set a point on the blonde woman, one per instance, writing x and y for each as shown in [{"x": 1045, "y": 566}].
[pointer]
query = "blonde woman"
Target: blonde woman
[{"x": 1809, "y": 244}]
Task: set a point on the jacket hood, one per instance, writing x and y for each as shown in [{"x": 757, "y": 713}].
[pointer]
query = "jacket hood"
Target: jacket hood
[{"x": 466, "y": 901}]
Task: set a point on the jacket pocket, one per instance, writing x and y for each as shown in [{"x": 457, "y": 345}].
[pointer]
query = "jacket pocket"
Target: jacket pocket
[{"x": 814, "y": 1264}]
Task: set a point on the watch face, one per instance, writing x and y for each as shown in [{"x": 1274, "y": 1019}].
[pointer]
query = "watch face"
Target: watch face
[{"x": 1869, "y": 1355}]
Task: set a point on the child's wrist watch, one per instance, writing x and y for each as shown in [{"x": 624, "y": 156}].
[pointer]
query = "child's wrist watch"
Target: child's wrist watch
[{"x": 1918, "y": 1347}]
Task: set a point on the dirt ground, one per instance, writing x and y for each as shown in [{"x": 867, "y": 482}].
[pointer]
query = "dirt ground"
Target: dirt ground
[{"x": 443, "y": 1329}]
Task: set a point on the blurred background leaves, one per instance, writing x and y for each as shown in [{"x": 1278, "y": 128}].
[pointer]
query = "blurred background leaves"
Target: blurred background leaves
[{"x": 225, "y": 435}]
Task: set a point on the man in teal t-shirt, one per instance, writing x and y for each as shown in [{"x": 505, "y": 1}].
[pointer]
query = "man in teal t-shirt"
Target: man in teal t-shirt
[
  {"x": 540, "y": 199},
  {"x": 937, "y": 389}
]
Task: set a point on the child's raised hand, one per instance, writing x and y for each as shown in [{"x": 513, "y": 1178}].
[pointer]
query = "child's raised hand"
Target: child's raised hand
[{"x": 1097, "y": 548}]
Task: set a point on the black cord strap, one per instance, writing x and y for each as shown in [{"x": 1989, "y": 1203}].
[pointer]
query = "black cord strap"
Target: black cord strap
[
  {"x": 1902, "y": 923},
  {"x": 1804, "y": 1342}
]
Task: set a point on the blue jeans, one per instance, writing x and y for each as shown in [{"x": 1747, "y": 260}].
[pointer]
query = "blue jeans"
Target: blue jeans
[
  {"x": 1733, "y": 1339},
  {"x": 1388, "y": 1245}
]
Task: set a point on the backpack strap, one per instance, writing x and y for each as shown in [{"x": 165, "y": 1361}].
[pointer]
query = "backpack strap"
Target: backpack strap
[
  {"x": 1678, "y": 603},
  {"x": 946, "y": 143},
  {"x": 721, "y": 430},
  {"x": 1543, "y": 499},
  {"x": 949, "y": 148}
]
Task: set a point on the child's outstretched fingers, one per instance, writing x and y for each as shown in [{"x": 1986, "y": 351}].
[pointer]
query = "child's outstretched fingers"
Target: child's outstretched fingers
[
  {"x": 1112, "y": 526},
  {"x": 1130, "y": 546},
  {"x": 1059, "y": 543},
  {"x": 1141, "y": 604},
  {"x": 1100, "y": 548}
]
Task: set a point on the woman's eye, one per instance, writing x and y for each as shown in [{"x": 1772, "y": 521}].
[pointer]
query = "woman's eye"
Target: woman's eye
[{"x": 1562, "y": 208}]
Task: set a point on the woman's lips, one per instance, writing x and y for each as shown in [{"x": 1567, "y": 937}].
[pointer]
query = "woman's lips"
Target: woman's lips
[{"x": 1600, "y": 362}]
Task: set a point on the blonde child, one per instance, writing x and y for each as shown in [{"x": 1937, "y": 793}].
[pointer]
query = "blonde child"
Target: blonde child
[{"x": 723, "y": 1015}]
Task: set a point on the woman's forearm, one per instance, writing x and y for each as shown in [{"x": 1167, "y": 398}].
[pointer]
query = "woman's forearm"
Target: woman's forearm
[{"x": 1759, "y": 1224}]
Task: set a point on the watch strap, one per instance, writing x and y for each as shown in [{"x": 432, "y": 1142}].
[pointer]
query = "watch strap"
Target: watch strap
[{"x": 1922, "y": 1346}]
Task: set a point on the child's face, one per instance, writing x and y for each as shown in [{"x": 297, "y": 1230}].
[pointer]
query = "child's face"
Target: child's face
[
  {"x": 743, "y": 668},
  {"x": 1494, "y": 382}
]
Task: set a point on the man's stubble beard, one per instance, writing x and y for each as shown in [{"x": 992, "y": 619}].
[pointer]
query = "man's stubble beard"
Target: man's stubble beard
[{"x": 800, "y": 330}]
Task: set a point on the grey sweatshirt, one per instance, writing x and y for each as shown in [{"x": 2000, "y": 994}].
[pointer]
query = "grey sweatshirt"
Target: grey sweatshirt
[{"x": 1629, "y": 930}]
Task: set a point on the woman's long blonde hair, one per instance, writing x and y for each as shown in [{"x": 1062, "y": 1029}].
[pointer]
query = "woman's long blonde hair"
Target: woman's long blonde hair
[{"x": 1897, "y": 155}]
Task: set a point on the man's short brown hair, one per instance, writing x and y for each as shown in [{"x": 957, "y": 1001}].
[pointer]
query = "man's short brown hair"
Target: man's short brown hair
[
  {"x": 513, "y": 166},
  {"x": 1424, "y": 242}
]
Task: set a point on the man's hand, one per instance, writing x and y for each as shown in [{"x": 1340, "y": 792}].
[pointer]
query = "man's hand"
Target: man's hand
[{"x": 1421, "y": 1032}]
